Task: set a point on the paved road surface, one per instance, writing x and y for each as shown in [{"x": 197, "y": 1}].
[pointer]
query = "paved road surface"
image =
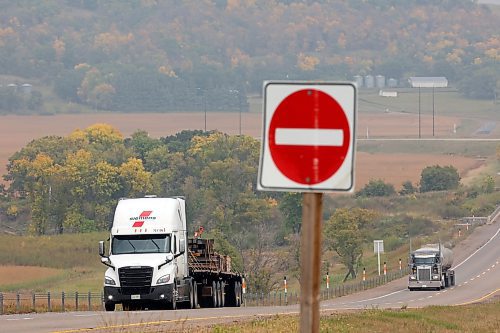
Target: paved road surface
[{"x": 477, "y": 267}]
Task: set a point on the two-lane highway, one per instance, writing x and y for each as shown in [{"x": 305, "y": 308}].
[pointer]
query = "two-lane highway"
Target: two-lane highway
[{"x": 477, "y": 270}]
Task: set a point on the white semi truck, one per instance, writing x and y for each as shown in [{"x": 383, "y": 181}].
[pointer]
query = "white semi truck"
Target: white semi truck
[
  {"x": 430, "y": 268},
  {"x": 152, "y": 263}
]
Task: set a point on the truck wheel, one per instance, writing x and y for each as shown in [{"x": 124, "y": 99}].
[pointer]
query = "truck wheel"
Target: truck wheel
[
  {"x": 240, "y": 294},
  {"x": 172, "y": 305},
  {"x": 214, "y": 302},
  {"x": 222, "y": 300},
  {"x": 219, "y": 295},
  {"x": 191, "y": 296},
  {"x": 195, "y": 295},
  {"x": 109, "y": 306}
]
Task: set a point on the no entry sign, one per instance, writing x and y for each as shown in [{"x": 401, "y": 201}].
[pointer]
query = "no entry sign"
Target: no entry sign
[{"x": 308, "y": 137}]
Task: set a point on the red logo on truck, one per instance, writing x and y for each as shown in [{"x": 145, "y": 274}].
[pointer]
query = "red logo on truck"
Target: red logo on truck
[{"x": 139, "y": 220}]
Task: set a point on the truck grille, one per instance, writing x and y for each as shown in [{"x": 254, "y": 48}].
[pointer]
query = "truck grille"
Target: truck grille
[
  {"x": 135, "y": 280},
  {"x": 424, "y": 274}
]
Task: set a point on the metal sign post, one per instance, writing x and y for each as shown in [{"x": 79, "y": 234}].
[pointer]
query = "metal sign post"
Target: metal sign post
[
  {"x": 310, "y": 262},
  {"x": 378, "y": 246}
]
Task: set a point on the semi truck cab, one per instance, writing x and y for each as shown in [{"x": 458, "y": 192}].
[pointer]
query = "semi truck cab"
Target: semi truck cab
[{"x": 147, "y": 253}]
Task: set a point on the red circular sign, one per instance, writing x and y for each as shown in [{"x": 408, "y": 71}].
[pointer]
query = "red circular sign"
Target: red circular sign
[{"x": 309, "y": 136}]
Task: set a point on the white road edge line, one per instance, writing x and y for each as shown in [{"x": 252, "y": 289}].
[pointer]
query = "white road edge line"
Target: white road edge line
[{"x": 492, "y": 237}]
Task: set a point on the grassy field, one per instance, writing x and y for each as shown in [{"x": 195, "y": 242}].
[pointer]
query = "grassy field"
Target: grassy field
[
  {"x": 471, "y": 318},
  {"x": 61, "y": 262}
]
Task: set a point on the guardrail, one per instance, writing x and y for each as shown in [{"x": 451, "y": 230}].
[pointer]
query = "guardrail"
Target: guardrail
[
  {"x": 493, "y": 215},
  {"x": 471, "y": 220},
  {"x": 18, "y": 302}
]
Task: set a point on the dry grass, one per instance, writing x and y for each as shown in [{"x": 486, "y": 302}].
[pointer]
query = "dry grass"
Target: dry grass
[
  {"x": 443, "y": 319},
  {"x": 24, "y": 274},
  {"x": 397, "y": 168}
]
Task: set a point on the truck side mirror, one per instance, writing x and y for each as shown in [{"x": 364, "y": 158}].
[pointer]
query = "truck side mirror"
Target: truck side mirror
[
  {"x": 170, "y": 257},
  {"x": 101, "y": 248},
  {"x": 182, "y": 246}
]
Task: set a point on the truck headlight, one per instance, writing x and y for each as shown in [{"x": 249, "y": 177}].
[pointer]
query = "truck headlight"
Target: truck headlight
[
  {"x": 435, "y": 277},
  {"x": 164, "y": 279},
  {"x": 109, "y": 281}
]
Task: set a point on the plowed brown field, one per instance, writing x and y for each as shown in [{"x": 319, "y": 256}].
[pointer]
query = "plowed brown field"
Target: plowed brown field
[
  {"x": 22, "y": 274},
  {"x": 17, "y": 131}
]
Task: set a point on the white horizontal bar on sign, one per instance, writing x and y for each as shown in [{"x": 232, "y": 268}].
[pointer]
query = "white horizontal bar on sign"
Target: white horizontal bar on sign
[{"x": 309, "y": 137}]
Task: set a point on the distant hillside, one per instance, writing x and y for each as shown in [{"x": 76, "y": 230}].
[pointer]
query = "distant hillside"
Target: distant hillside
[{"x": 146, "y": 55}]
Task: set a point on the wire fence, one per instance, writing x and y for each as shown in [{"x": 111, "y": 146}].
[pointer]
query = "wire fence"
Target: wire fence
[
  {"x": 278, "y": 298},
  {"x": 18, "y": 302}
]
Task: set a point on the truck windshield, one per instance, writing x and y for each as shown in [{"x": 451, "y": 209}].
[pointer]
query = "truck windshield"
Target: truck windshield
[
  {"x": 424, "y": 261},
  {"x": 126, "y": 244}
]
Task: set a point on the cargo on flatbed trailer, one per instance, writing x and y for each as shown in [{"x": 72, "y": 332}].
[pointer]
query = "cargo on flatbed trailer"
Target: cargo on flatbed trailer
[{"x": 151, "y": 266}]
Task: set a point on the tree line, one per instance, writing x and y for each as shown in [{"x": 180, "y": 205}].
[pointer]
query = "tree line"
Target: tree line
[{"x": 171, "y": 55}]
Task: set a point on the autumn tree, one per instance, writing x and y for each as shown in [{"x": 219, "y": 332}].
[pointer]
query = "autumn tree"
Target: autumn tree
[{"x": 345, "y": 232}]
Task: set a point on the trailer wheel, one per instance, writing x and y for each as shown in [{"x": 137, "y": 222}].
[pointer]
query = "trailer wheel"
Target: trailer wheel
[
  {"x": 222, "y": 300},
  {"x": 214, "y": 301},
  {"x": 109, "y": 306},
  {"x": 219, "y": 295},
  {"x": 195, "y": 295},
  {"x": 240, "y": 295}
]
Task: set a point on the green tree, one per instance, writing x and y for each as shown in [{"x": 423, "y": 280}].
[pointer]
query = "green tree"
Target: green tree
[
  {"x": 407, "y": 188},
  {"x": 345, "y": 233},
  {"x": 142, "y": 144},
  {"x": 376, "y": 188},
  {"x": 437, "y": 178},
  {"x": 291, "y": 208}
]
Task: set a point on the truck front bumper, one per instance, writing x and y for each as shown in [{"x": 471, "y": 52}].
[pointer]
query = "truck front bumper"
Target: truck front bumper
[
  {"x": 156, "y": 293},
  {"x": 412, "y": 284}
]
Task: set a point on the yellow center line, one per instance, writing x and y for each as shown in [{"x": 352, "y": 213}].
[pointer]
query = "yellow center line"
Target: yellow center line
[{"x": 479, "y": 299}]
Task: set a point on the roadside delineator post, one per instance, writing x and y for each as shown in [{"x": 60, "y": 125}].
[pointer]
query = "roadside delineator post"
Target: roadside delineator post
[
  {"x": 459, "y": 232},
  {"x": 285, "y": 288},
  {"x": 327, "y": 285},
  {"x": 364, "y": 274},
  {"x": 244, "y": 290},
  {"x": 400, "y": 265},
  {"x": 385, "y": 268}
]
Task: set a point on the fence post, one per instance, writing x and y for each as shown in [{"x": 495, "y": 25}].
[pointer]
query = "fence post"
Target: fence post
[
  {"x": 1, "y": 304},
  {"x": 49, "y": 307},
  {"x": 18, "y": 302},
  {"x": 62, "y": 300},
  {"x": 90, "y": 301},
  {"x": 33, "y": 301},
  {"x": 76, "y": 300}
]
